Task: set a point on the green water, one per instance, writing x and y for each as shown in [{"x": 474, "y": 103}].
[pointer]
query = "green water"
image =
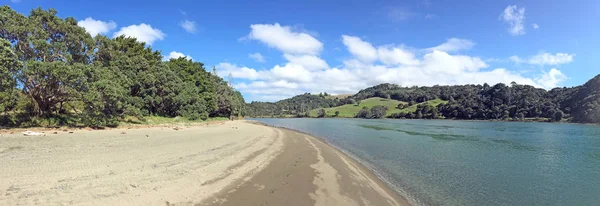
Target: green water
[{"x": 442, "y": 162}]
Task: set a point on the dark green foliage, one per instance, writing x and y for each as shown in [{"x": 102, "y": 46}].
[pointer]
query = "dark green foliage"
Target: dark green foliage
[
  {"x": 9, "y": 64},
  {"x": 321, "y": 113},
  {"x": 364, "y": 113},
  {"x": 378, "y": 112},
  {"x": 499, "y": 101},
  {"x": 53, "y": 72},
  {"x": 337, "y": 113},
  {"x": 296, "y": 106},
  {"x": 586, "y": 102}
]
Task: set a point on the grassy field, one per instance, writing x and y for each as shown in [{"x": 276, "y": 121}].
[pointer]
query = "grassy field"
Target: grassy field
[
  {"x": 413, "y": 108},
  {"x": 350, "y": 110}
]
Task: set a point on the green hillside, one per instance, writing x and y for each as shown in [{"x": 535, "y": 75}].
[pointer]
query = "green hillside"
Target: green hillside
[
  {"x": 349, "y": 110},
  {"x": 413, "y": 108}
]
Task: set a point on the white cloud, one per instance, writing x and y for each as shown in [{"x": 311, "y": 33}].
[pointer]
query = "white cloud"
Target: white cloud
[
  {"x": 95, "y": 27},
  {"x": 396, "y": 56},
  {"x": 175, "y": 55},
  {"x": 359, "y": 48},
  {"x": 551, "y": 79},
  {"x": 292, "y": 72},
  {"x": 225, "y": 69},
  {"x": 515, "y": 17},
  {"x": 535, "y": 26},
  {"x": 182, "y": 12},
  {"x": 550, "y": 59},
  {"x": 142, "y": 32},
  {"x": 388, "y": 54},
  {"x": 284, "y": 39},
  {"x": 545, "y": 59},
  {"x": 189, "y": 26},
  {"x": 453, "y": 45},
  {"x": 257, "y": 57},
  {"x": 310, "y": 62},
  {"x": 515, "y": 59},
  {"x": 371, "y": 65}
]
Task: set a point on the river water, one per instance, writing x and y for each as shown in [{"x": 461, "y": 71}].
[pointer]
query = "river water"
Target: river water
[{"x": 445, "y": 162}]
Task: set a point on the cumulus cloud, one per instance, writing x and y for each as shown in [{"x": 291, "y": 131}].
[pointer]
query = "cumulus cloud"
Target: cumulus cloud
[
  {"x": 453, "y": 45},
  {"x": 257, "y": 57},
  {"x": 369, "y": 65},
  {"x": 551, "y": 79},
  {"x": 189, "y": 26},
  {"x": 545, "y": 59},
  {"x": 226, "y": 69},
  {"x": 176, "y": 55},
  {"x": 535, "y": 26},
  {"x": 387, "y": 54},
  {"x": 284, "y": 39},
  {"x": 310, "y": 62},
  {"x": 396, "y": 56},
  {"x": 142, "y": 32},
  {"x": 515, "y": 18},
  {"x": 359, "y": 48},
  {"x": 95, "y": 27}
]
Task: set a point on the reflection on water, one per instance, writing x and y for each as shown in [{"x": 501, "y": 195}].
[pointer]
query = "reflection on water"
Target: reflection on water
[{"x": 441, "y": 162}]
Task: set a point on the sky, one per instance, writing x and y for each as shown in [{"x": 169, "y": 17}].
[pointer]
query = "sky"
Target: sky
[{"x": 271, "y": 50}]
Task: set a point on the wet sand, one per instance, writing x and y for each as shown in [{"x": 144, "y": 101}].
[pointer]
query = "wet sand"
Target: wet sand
[{"x": 233, "y": 163}]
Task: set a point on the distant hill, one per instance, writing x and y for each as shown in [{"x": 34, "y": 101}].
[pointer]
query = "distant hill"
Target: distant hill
[
  {"x": 350, "y": 110},
  {"x": 513, "y": 102}
]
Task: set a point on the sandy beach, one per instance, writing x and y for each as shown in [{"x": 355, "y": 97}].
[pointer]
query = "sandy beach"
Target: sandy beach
[{"x": 229, "y": 163}]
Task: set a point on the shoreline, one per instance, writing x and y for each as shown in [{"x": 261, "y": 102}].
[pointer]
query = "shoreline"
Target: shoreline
[
  {"x": 339, "y": 178},
  {"x": 225, "y": 163},
  {"x": 363, "y": 165},
  {"x": 465, "y": 120}
]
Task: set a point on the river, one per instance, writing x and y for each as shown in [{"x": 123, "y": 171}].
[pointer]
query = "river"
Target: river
[{"x": 445, "y": 162}]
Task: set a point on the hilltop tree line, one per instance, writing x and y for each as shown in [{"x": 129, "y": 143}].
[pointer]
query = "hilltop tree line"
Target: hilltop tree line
[
  {"x": 298, "y": 106},
  {"x": 474, "y": 102},
  {"x": 500, "y": 101},
  {"x": 52, "y": 69}
]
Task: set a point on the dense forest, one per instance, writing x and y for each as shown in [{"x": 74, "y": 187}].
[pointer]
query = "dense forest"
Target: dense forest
[
  {"x": 52, "y": 70},
  {"x": 297, "y": 106},
  {"x": 468, "y": 102}
]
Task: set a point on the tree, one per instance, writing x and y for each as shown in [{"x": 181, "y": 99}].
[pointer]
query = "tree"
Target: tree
[
  {"x": 558, "y": 115},
  {"x": 586, "y": 103},
  {"x": 419, "y": 115},
  {"x": 352, "y": 101},
  {"x": 51, "y": 68},
  {"x": 9, "y": 64},
  {"x": 337, "y": 113},
  {"x": 321, "y": 113},
  {"x": 364, "y": 113},
  {"x": 378, "y": 112}
]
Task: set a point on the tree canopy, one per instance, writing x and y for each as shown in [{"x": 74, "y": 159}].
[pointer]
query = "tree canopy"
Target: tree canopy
[
  {"x": 480, "y": 102},
  {"x": 53, "y": 69}
]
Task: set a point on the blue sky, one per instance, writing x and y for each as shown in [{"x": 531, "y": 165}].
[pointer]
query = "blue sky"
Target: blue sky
[{"x": 344, "y": 46}]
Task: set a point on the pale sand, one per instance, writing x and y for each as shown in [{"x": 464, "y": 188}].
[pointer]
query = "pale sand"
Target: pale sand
[{"x": 234, "y": 163}]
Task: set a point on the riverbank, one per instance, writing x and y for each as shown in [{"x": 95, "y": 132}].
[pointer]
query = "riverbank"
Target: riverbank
[{"x": 228, "y": 163}]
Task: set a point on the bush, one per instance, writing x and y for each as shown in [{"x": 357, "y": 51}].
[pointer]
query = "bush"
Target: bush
[
  {"x": 378, "y": 112},
  {"x": 363, "y": 113},
  {"x": 321, "y": 113}
]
